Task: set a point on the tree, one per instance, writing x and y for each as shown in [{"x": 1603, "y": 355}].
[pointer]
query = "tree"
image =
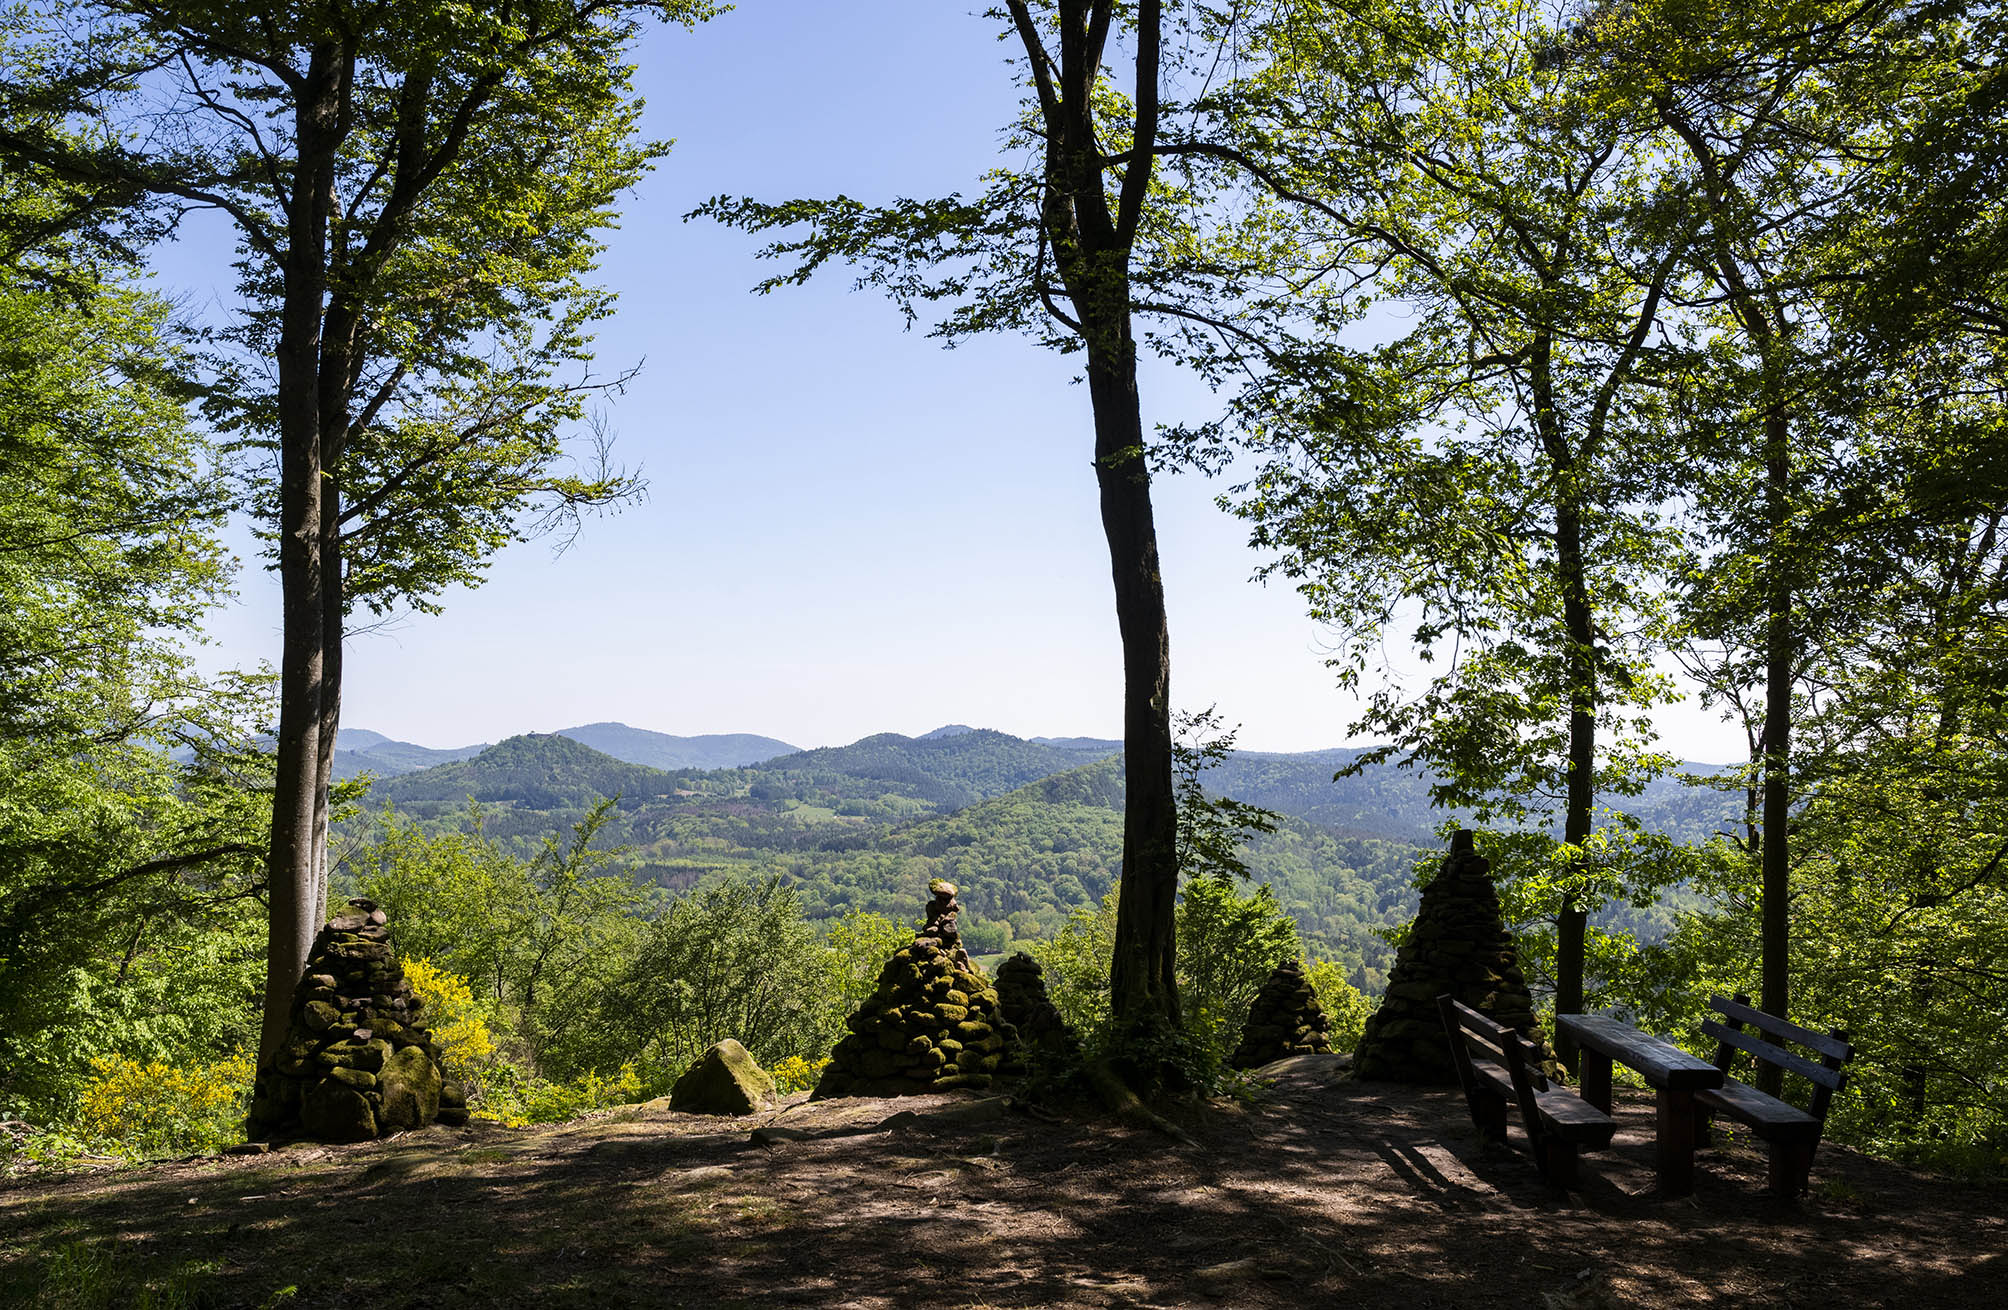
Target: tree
[
  {"x": 1492, "y": 476},
  {"x": 1770, "y": 111},
  {"x": 415, "y": 192},
  {"x": 129, "y": 811},
  {"x": 1079, "y": 217}
]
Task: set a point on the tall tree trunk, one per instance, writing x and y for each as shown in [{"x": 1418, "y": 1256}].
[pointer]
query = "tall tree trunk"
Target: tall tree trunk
[
  {"x": 1143, "y": 973},
  {"x": 1572, "y": 924},
  {"x": 1779, "y": 651},
  {"x": 1579, "y": 639},
  {"x": 1090, "y": 245},
  {"x": 292, "y": 878}
]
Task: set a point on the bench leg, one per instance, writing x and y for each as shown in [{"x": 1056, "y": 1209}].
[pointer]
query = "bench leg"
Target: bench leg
[
  {"x": 1594, "y": 1083},
  {"x": 1490, "y": 1112},
  {"x": 1791, "y": 1162},
  {"x": 1561, "y": 1159},
  {"x": 1675, "y": 1147}
]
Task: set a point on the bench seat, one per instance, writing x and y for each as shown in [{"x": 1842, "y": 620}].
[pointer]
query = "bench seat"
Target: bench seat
[
  {"x": 1770, "y": 1118},
  {"x": 1563, "y": 1113}
]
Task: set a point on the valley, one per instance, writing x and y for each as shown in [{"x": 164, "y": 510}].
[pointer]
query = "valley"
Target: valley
[{"x": 1029, "y": 829}]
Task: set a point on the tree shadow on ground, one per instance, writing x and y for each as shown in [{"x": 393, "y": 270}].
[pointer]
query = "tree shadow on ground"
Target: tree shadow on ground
[{"x": 1329, "y": 1191}]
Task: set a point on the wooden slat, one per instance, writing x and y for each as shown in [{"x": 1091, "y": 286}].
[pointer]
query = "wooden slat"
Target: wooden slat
[
  {"x": 1778, "y": 1055},
  {"x": 1495, "y": 1074},
  {"x": 1479, "y": 1045},
  {"x": 1573, "y": 1119},
  {"x": 1771, "y": 1117},
  {"x": 1484, "y": 1026},
  {"x": 1662, "y": 1063},
  {"x": 1821, "y": 1042}
]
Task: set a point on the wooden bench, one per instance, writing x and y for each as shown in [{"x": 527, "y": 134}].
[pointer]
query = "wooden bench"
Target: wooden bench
[
  {"x": 1791, "y": 1133},
  {"x": 1494, "y": 1065}
]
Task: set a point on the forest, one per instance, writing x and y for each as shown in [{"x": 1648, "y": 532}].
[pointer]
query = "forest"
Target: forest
[{"x": 1590, "y": 356}]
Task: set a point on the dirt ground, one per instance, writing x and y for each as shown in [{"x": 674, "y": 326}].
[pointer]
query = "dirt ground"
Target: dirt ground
[{"x": 1326, "y": 1191}]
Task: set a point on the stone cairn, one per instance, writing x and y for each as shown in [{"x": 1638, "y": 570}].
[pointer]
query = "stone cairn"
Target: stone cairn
[
  {"x": 1284, "y": 1019},
  {"x": 358, "y": 1061},
  {"x": 1458, "y": 944},
  {"x": 932, "y": 1025},
  {"x": 1021, "y": 992}
]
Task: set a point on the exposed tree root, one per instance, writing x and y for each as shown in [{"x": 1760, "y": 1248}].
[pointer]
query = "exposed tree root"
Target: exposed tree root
[{"x": 1127, "y": 1107}]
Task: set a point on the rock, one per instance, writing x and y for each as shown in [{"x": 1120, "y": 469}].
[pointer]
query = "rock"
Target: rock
[
  {"x": 725, "y": 1080},
  {"x": 1459, "y": 945},
  {"x": 333, "y": 1111},
  {"x": 248, "y": 1148},
  {"x": 410, "y": 1084},
  {"x": 353, "y": 1018},
  {"x": 932, "y": 1023}
]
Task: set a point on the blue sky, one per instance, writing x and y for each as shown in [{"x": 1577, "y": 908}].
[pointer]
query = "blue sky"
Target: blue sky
[{"x": 849, "y": 529}]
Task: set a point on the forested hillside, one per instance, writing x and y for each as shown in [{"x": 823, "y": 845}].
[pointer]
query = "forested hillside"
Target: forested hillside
[{"x": 1028, "y": 832}]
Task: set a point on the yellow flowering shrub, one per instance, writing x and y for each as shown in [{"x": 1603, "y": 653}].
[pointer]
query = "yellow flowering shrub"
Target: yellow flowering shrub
[
  {"x": 795, "y": 1074},
  {"x": 453, "y": 1016},
  {"x": 514, "y": 1100},
  {"x": 143, "y": 1111}
]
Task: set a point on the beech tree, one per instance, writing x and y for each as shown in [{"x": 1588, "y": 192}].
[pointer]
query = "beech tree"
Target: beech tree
[
  {"x": 1493, "y": 475},
  {"x": 415, "y": 190},
  {"x": 1771, "y": 114},
  {"x": 1073, "y": 250}
]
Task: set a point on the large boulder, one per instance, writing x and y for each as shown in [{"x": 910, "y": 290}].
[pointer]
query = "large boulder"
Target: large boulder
[
  {"x": 410, "y": 1085},
  {"x": 724, "y": 1080}
]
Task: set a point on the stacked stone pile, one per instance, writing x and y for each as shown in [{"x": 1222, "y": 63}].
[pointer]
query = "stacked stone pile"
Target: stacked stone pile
[
  {"x": 933, "y": 1023},
  {"x": 1284, "y": 1019},
  {"x": 1458, "y": 944},
  {"x": 358, "y": 1061},
  {"x": 1021, "y": 992}
]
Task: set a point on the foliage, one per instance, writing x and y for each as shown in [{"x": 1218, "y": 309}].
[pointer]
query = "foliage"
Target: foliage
[
  {"x": 452, "y": 898},
  {"x": 795, "y": 1074},
  {"x": 1229, "y": 941},
  {"x": 1075, "y": 961},
  {"x": 129, "y": 820},
  {"x": 733, "y": 959},
  {"x": 1211, "y": 829},
  {"x": 512, "y": 1098},
  {"x": 144, "y": 1111},
  {"x": 454, "y": 1018},
  {"x": 859, "y": 944},
  {"x": 1346, "y": 1010}
]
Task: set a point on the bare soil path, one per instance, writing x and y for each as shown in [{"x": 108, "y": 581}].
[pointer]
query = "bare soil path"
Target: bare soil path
[{"x": 1326, "y": 1192}]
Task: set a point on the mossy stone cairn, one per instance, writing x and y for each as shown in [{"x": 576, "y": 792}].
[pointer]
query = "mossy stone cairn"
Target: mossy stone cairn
[
  {"x": 1021, "y": 991},
  {"x": 932, "y": 1025},
  {"x": 1458, "y": 944},
  {"x": 1284, "y": 1019},
  {"x": 358, "y": 1061}
]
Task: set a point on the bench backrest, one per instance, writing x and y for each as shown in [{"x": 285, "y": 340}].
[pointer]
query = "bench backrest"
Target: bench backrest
[
  {"x": 1831, "y": 1047},
  {"x": 1474, "y": 1033}
]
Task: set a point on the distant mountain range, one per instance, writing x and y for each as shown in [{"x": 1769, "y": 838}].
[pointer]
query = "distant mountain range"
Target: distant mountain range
[
  {"x": 942, "y": 771},
  {"x": 358, "y": 750},
  {"x": 1030, "y": 829}
]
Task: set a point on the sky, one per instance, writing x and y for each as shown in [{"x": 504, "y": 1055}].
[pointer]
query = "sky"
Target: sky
[{"x": 848, "y": 528}]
